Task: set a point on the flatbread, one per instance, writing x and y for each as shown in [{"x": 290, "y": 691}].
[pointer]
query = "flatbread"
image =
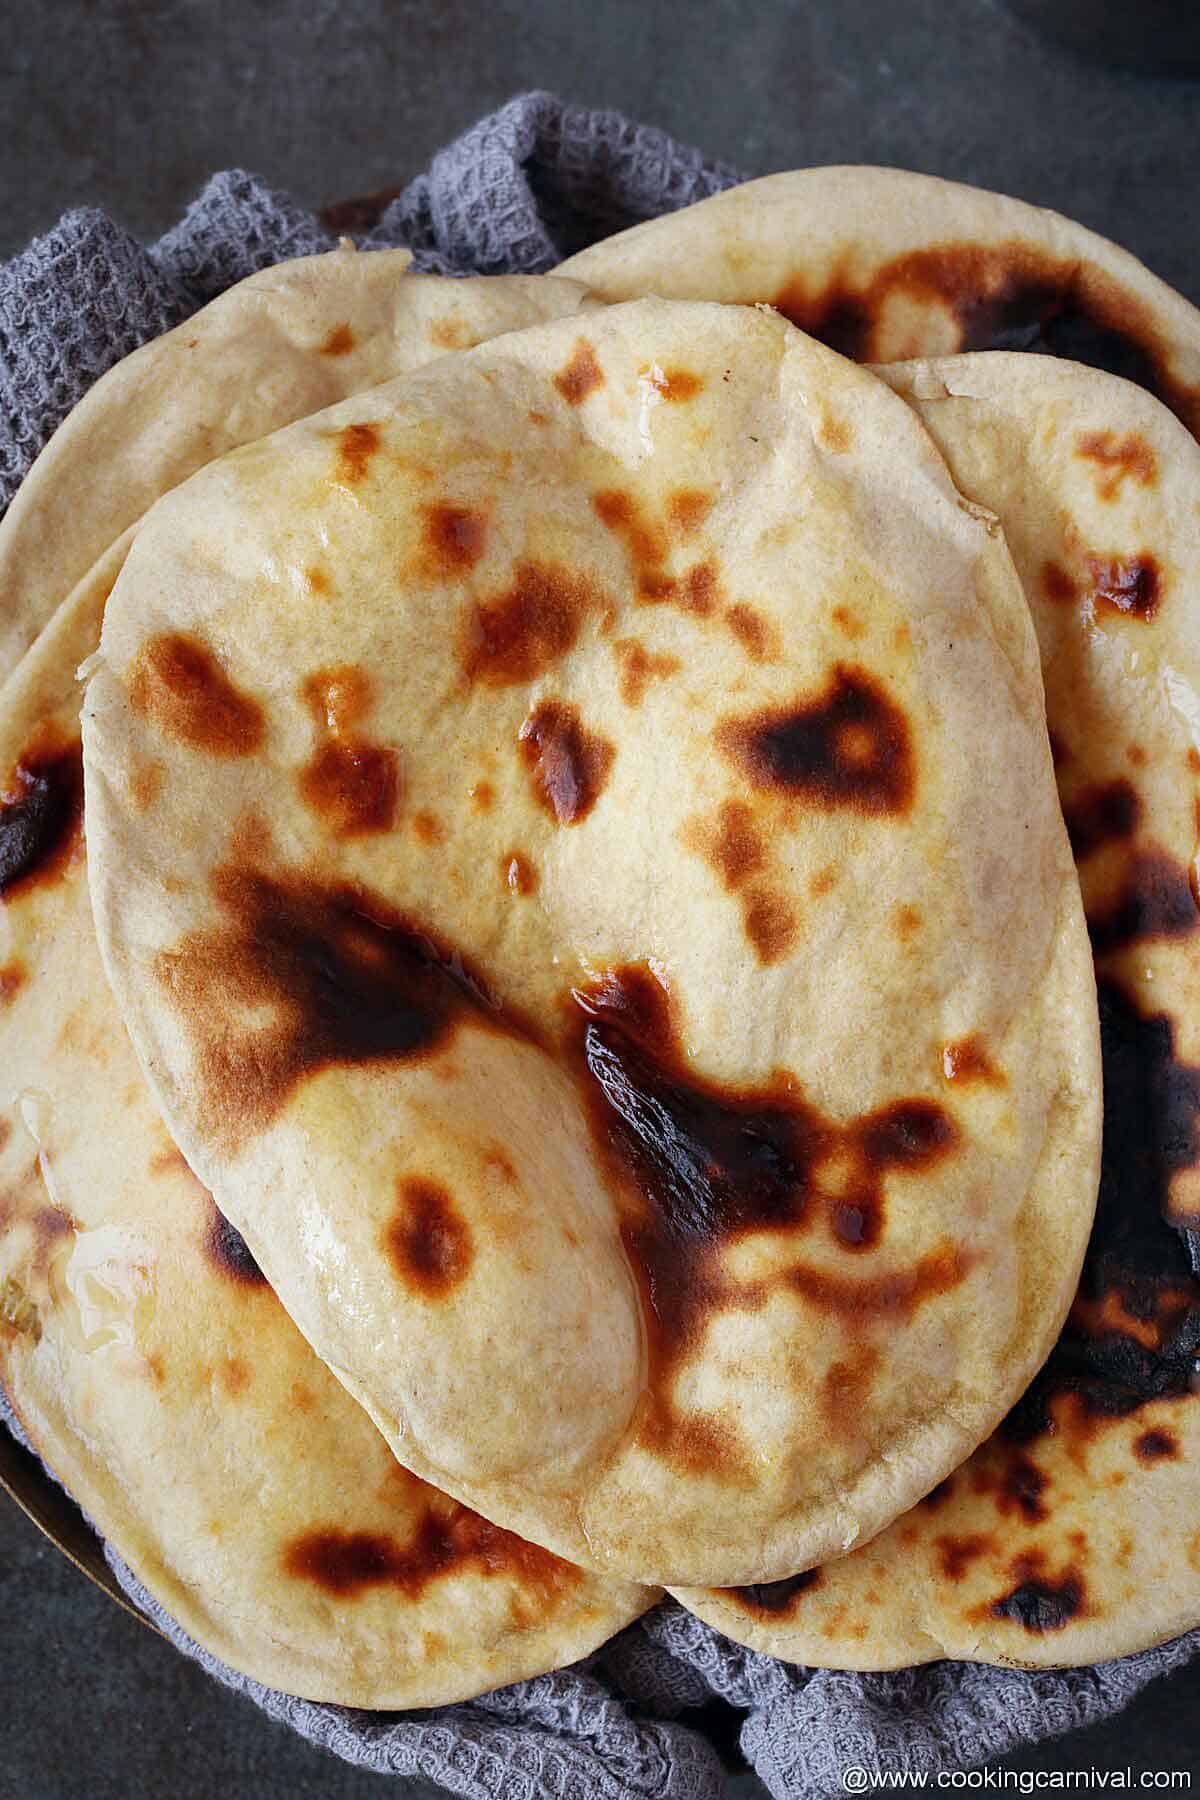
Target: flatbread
[
  {"x": 282, "y": 343},
  {"x": 883, "y": 264},
  {"x": 154, "y": 1369},
  {"x": 1074, "y": 1534},
  {"x": 563, "y": 882}
]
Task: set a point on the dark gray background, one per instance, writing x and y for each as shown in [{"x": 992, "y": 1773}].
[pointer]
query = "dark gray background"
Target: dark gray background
[{"x": 129, "y": 107}]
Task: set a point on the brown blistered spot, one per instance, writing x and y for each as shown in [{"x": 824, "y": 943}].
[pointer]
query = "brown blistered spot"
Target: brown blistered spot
[
  {"x": 538, "y": 418},
  {"x": 13, "y": 976},
  {"x": 520, "y": 876},
  {"x": 1134, "y": 753},
  {"x": 733, "y": 844},
  {"x": 524, "y": 631},
  {"x": 581, "y": 376},
  {"x": 703, "y": 1165},
  {"x": 674, "y": 384},
  {"x": 452, "y": 334},
  {"x": 938, "y": 1496},
  {"x": 317, "y": 579},
  {"x": 303, "y": 1398},
  {"x": 1040, "y": 1602},
  {"x": 1131, "y": 1335},
  {"x": 449, "y": 1540},
  {"x": 41, "y": 812},
  {"x": 1117, "y": 458},
  {"x": 1193, "y": 759},
  {"x": 178, "y": 683},
  {"x": 847, "y": 1386},
  {"x": 1125, "y": 584},
  {"x": 755, "y": 634},
  {"x": 352, "y": 787},
  {"x": 687, "y": 509},
  {"x": 145, "y": 784},
  {"x": 966, "y": 1060},
  {"x": 227, "y": 1249},
  {"x": 5, "y": 1133},
  {"x": 483, "y": 796},
  {"x": 1006, "y": 296},
  {"x": 1102, "y": 814},
  {"x": 774, "y": 1598},
  {"x": 847, "y": 747},
  {"x": 233, "y": 1375},
  {"x": 352, "y": 784},
  {"x": 956, "y": 1554},
  {"x": 639, "y": 667},
  {"x": 427, "y": 1239},
  {"x": 1155, "y": 1446},
  {"x": 340, "y": 342},
  {"x": 1156, "y": 898},
  {"x": 848, "y": 623},
  {"x": 823, "y": 882},
  {"x": 301, "y": 975},
  {"x": 356, "y": 445},
  {"x": 428, "y": 828},
  {"x": 906, "y": 922},
  {"x": 568, "y": 764},
  {"x": 772, "y": 925},
  {"x": 156, "y": 1365},
  {"x": 455, "y": 537},
  {"x": 1058, "y": 585},
  {"x": 646, "y": 542}
]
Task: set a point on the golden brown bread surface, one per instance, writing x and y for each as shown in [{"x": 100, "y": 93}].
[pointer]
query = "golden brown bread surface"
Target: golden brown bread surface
[
  {"x": 155, "y": 1370},
  {"x": 594, "y": 789},
  {"x": 1073, "y": 1534},
  {"x": 884, "y": 264}
]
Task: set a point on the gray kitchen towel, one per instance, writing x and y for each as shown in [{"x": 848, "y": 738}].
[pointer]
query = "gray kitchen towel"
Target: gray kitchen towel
[{"x": 520, "y": 190}]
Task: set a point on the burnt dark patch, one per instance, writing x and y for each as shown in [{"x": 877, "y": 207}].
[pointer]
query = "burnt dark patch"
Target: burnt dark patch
[
  {"x": 1040, "y": 1603},
  {"x": 938, "y": 1496},
  {"x": 302, "y": 975},
  {"x": 1155, "y": 899},
  {"x": 1117, "y": 459},
  {"x": 445, "y": 1543},
  {"x": 848, "y": 747},
  {"x": 357, "y": 445},
  {"x": 525, "y": 630},
  {"x": 1134, "y": 1331},
  {"x": 228, "y": 1251},
  {"x": 427, "y": 1240},
  {"x": 1012, "y": 295},
  {"x": 1105, "y": 813},
  {"x": 41, "y": 813},
  {"x": 1155, "y": 1446},
  {"x": 966, "y": 1062},
  {"x": 339, "y": 342},
  {"x": 956, "y": 1554},
  {"x": 775, "y": 1598},
  {"x": 1131, "y": 585},
  {"x": 568, "y": 764},
  {"x": 581, "y": 375},
  {"x": 703, "y": 1165},
  {"x": 179, "y": 685},
  {"x": 455, "y": 537}
]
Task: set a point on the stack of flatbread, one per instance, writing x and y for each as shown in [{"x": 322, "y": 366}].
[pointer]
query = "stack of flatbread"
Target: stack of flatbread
[{"x": 600, "y": 949}]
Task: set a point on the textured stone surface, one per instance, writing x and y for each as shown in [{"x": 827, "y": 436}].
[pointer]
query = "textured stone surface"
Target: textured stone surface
[{"x": 130, "y": 106}]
